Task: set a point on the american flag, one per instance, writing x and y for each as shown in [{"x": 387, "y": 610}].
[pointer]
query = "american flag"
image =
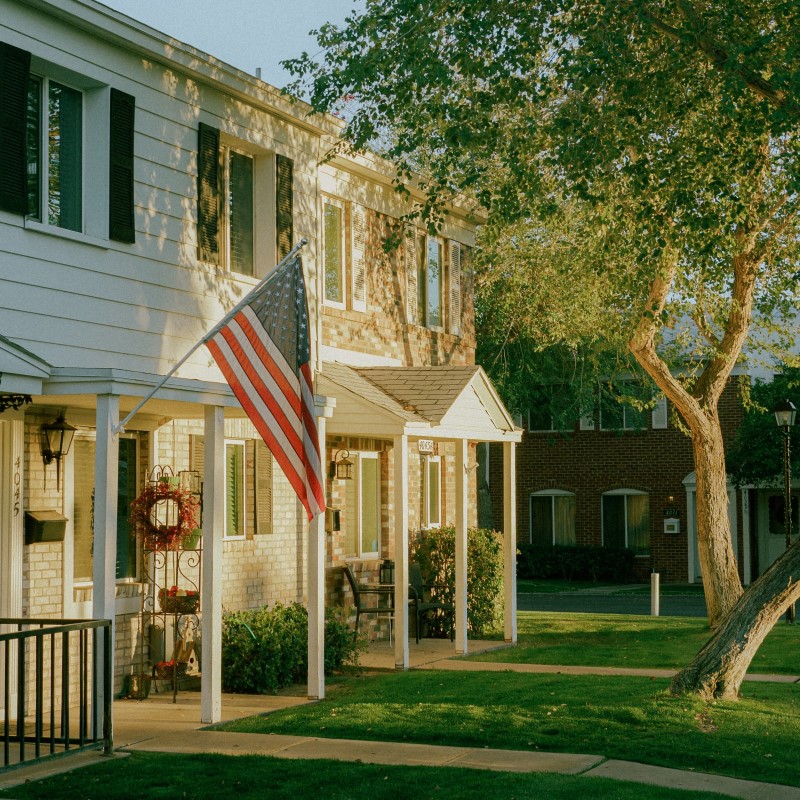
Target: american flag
[{"x": 264, "y": 351}]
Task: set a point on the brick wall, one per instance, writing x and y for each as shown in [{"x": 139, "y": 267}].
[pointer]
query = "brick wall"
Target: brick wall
[
  {"x": 589, "y": 463},
  {"x": 382, "y": 330}
]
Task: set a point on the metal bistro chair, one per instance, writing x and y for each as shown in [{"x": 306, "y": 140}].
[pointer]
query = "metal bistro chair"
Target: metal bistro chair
[
  {"x": 423, "y": 602},
  {"x": 359, "y": 590}
]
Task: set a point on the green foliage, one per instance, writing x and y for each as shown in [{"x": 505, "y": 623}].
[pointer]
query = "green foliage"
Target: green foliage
[
  {"x": 434, "y": 550},
  {"x": 575, "y": 563},
  {"x": 756, "y": 454},
  {"x": 266, "y": 649}
]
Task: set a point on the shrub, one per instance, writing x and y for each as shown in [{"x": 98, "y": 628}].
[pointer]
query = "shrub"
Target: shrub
[
  {"x": 575, "y": 563},
  {"x": 265, "y": 649},
  {"x": 434, "y": 551}
]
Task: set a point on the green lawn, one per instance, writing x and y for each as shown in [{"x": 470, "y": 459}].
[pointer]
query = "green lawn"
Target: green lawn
[
  {"x": 626, "y": 718},
  {"x": 152, "y": 776},
  {"x": 617, "y": 640}
]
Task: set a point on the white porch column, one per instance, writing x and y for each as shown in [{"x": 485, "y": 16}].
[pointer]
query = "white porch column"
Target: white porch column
[
  {"x": 400, "y": 444},
  {"x": 316, "y": 572},
  {"x": 510, "y": 540},
  {"x": 104, "y": 563},
  {"x": 462, "y": 491},
  {"x": 211, "y": 591}
]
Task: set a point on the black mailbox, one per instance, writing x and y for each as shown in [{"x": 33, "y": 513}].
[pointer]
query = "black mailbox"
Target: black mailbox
[{"x": 44, "y": 526}]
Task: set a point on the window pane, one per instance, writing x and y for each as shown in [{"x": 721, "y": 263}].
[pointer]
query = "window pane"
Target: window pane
[
  {"x": 422, "y": 272},
  {"x": 776, "y": 506},
  {"x": 564, "y": 520},
  {"x": 434, "y": 283},
  {"x": 240, "y": 207},
  {"x": 612, "y": 413},
  {"x": 614, "y": 520},
  {"x": 350, "y": 519},
  {"x": 334, "y": 258},
  {"x": 234, "y": 490},
  {"x": 639, "y": 523},
  {"x": 64, "y": 157},
  {"x": 83, "y": 464},
  {"x": 126, "y": 494},
  {"x": 542, "y": 520},
  {"x": 434, "y": 493},
  {"x": 370, "y": 511},
  {"x": 34, "y": 147},
  {"x": 539, "y": 418}
]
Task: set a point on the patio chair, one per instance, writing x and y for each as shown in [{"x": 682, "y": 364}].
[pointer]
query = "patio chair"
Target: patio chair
[
  {"x": 360, "y": 590},
  {"x": 421, "y": 598}
]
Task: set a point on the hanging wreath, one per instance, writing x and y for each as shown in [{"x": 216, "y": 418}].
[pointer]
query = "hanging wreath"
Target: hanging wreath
[{"x": 164, "y": 515}]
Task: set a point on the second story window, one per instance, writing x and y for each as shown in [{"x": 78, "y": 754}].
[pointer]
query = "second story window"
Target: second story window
[
  {"x": 430, "y": 281},
  {"x": 54, "y": 153},
  {"x": 334, "y": 251},
  {"x": 237, "y": 229},
  {"x": 237, "y": 184}
]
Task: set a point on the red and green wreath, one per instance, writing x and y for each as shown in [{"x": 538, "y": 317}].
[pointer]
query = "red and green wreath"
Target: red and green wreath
[{"x": 164, "y": 515}]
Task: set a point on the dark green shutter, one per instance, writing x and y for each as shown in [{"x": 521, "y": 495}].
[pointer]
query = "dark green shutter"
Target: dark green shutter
[
  {"x": 15, "y": 67},
  {"x": 120, "y": 186},
  {"x": 284, "y": 168},
  {"x": 208, "y": 195}
]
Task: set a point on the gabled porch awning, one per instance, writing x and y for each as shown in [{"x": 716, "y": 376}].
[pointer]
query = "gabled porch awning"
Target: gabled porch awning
[{"x": 449, "y": 402}]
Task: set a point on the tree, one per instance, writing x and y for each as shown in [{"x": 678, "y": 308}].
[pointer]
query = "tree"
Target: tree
[{"x": 643, "y": 157}]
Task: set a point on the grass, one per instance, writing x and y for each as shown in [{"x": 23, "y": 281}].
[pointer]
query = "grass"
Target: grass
[
  {"x": 212, "y": 777},
  {"x": 624, "y": 718},
  {"x": 617, "y": 640}
]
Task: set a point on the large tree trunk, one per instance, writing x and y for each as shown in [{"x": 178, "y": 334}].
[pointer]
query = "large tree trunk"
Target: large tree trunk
[
  {"x": 718, "y": 670},
  {"x": 717, "y": 559}
]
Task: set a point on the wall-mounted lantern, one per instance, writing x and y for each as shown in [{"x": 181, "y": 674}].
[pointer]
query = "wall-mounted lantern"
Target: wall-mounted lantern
[
  {"x": 341, "y": 468},
  {"x": 56, "y": 439}
]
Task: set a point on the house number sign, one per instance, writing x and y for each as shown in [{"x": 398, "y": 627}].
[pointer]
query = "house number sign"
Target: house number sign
[
  {"x": 17, "y": 484},
  {"x": 426, "y": 446}
]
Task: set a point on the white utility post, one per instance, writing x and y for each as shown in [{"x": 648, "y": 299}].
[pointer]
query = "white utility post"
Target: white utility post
[
  {"x": 211, "y": 592},
  {"x": 400, "y": 445},
  {"x": 462, "y": 492},
  {"x": 510, "y": 541},
  {"x": 104, "y": 559},
  {"x": 316, "y": 583}
]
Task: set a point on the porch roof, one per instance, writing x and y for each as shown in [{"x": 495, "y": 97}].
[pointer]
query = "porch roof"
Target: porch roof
[
  {"x": 21, "y": 372},
  {"x": 448, "y": 402}
]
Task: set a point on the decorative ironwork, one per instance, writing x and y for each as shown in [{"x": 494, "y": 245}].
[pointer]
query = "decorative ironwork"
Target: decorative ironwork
[{"x": 13, "y": 401}]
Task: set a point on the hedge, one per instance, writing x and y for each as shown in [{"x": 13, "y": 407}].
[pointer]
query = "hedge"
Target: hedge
[
  {"x": 265, "y": 649},
  {"x": 575, "y": 563},
  {"x": 434, "y": 551}
]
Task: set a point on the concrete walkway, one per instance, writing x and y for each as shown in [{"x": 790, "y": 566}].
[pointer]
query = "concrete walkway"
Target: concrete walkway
[{"x": 159, "y": 725}]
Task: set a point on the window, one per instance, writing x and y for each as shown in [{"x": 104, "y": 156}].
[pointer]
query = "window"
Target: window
[
  {"x": 617, "y": 411},
  {"x": 334, "y": 251},
  {"x": 54, "y": 153},
  {"x": 433, "y": 288},
  {"x": 83, "y": 513},
  {"x": 553, "y": 518},
  {"x": 549, "y": 409},
  {"x": 235, "y": 520},
  {"x": 431, "y": 487},
  {"x": 363, "y": 507},
  {"x": 234, "y": 181},
  {"x": 626, "y": 520},
  {"x": 238, "y": 225},
  {"x": 429, "y": 281},
  {"x": 50, "y": 116}
]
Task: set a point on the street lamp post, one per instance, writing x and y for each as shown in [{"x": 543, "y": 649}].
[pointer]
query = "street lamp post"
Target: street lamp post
[{"x": 785, "y": 413}]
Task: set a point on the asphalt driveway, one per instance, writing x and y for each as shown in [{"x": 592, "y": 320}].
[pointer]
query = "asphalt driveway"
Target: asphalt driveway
[{"x": 614, "y": 600}]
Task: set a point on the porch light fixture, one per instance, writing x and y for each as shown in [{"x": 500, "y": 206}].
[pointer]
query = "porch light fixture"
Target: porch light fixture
[
  {"x": 341, "y": 468},
  {"x": 56, "y": 439},
  {"x": 785, "y": 414}
]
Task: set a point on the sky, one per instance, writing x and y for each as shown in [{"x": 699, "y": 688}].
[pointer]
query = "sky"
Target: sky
[{"x": 245, "y": 33}]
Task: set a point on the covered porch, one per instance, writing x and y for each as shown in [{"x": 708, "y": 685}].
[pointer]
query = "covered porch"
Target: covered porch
[{"x": 413, "y": 415}]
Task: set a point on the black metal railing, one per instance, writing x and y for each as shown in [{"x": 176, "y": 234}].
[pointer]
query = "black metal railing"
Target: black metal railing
[{"x": 54, "y": 673}]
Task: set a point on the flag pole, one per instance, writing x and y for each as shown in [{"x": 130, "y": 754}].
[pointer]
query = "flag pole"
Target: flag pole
[{"x": 120, "y": 427}]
